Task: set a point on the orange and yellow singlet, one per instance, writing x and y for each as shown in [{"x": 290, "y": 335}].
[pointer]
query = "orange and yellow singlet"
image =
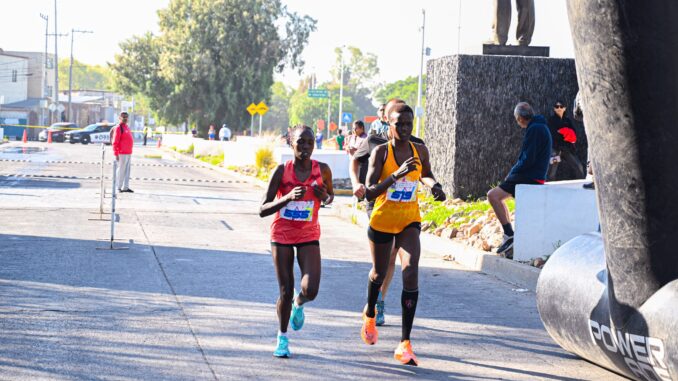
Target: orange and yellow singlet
[{"x": 398, "y": 206}]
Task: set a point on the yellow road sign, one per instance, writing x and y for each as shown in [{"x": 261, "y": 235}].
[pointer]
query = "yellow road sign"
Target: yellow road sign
[
  {"x": 262, "y": 108},
  {"x": 252, "y": 109}
]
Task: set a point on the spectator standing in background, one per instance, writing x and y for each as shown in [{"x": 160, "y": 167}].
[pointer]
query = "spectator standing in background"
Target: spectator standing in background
[
  {"x": 340, "y": 140},
  {"x": 356, "y": 137},
  {"x": 122, "y": 143},
  {"x": 319, "y": 139},
  {"x": 212, "y": 132},
  {"x": 224, "y": 133},
  {"x": 379, "y": 126},
  {"x": 564, "y": 149}
]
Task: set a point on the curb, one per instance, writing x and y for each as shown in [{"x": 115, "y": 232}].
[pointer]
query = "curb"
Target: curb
[
  {"x": 507, "y": 270},
  {"x": 247, "y": 179}
]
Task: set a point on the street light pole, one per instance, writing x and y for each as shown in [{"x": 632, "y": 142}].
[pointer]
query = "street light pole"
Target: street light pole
[
  {"x": 421, "y": 71},
  {"x": 56, "y": 62},
  {"x": 44, "y": 67},
  {"x": 70, "y": 72}
]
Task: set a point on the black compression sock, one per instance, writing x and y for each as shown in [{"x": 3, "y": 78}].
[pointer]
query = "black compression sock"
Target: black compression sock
[
  {"x": 508, "y": 229},
  {"x": 372, "y": 295},
  {"x": 408, "y": 301}
]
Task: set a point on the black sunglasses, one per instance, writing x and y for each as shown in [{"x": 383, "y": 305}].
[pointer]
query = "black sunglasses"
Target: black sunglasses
[{"x": 558, "y": 106}]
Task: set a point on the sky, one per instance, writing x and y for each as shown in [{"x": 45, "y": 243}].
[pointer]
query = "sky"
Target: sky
[{"x": 388, "y": 28}]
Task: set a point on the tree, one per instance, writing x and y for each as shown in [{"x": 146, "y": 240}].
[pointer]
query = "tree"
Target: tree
[
  {"x": 277, "y": 117},
  {"x": 405, "y": 89},
  {"x": 85, "y": 77},
  {"x": 213, "y": 58},
  {"x": 360, "y": 69}
]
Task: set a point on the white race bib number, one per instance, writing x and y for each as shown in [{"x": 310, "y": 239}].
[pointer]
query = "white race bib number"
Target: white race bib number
[
  {"x": 402, "y": 191},
  {"x": 298, "y": 211}
]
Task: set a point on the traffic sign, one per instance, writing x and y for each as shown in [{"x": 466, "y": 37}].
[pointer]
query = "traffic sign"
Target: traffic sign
[
  {"x": 333, "y": 126},
  {"x": 318, "y": 93},
  {"x": 262, "y": 108},
  {"x": 252, "y": 109},
  {"x": 346, "y": 117}
]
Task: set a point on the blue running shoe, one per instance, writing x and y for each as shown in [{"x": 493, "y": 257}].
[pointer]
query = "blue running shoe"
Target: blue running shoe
[
  {"x": 297, "y": 315},
  {"x": 380, "y": 313},
  {"x": 282, "y": 349}
]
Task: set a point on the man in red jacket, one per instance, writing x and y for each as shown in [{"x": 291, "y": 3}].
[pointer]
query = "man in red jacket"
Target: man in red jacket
[{"x": 123, "y": 141}]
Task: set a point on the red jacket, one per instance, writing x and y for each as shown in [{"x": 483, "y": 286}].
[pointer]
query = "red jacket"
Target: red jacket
[{"x": 123, "y": 141}]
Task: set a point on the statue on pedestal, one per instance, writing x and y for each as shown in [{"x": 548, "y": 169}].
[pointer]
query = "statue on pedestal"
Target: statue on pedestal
[{"x": 502, "y": 21}]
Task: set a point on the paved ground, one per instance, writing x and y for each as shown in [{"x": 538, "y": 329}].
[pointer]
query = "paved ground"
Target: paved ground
[{"x": 193, "y": 296}]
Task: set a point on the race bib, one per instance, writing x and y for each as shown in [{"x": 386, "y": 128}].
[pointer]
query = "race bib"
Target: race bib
[
  {"x": 298, "y": 211},
  {"x": 402, "y": 191}
]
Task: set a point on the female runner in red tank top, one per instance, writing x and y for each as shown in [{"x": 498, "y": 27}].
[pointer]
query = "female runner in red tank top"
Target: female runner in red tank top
[{"x": 294, "y": 194}]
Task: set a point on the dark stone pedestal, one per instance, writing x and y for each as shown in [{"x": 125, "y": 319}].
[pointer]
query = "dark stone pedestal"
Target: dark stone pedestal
[
  {"x": 470, "y": 129},
  {"x": 516, "y": 50}
]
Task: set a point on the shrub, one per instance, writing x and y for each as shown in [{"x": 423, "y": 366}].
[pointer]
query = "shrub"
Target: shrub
[{"x": 264, "y": 159}]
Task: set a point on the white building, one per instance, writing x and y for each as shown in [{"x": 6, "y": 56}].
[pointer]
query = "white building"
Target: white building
[{"x": 14, "y": 76}]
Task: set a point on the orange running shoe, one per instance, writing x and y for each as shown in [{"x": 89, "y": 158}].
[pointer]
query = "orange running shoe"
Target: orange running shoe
[
  {"x": 405, "y": 354},
  {"x": 369, "y": 332}
]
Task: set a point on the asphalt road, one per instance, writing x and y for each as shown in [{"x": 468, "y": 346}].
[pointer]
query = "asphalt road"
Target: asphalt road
[{"x": 193, "y": 295}]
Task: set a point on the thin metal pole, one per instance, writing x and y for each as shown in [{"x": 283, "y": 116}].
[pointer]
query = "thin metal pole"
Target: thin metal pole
[
  {"x": 421, "y": 71},
  {"x": 115, "y": 170},
  {"x": 56, "y": 63},
  {"x": 70, "y": 79},
  {"x": 44, "y": 67},
  {"x": 103, "y": 189},
  {"x": 329, "y": 110},
  {"x": 252, "y": 125},
  {"x": 260, "y": 117}
]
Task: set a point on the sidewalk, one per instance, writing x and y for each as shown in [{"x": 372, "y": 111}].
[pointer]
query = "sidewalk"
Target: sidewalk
[{"x": 519, "y": 274}]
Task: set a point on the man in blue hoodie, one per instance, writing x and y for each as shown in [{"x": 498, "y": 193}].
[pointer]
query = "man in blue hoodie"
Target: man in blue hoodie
[{"x": 531, "y": 168}]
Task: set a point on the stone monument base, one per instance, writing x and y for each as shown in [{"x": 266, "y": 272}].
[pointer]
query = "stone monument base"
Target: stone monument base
[
  {"x": 471, "y": 133},
  {"x": 515, "y": 50}
]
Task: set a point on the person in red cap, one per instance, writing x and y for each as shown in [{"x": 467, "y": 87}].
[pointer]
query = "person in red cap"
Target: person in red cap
[{"x": 123, "y": 141}]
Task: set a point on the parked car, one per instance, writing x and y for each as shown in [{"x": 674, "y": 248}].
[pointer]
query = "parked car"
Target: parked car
[
  {"x": 94, "y": 133},
  {"x": 58, "y": 130}
]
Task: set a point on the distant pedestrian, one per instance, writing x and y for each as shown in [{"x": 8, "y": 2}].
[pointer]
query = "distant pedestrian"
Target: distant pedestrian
[
  {"x": 294, "y": 194},
  {"x": 356, "y": 137},
  {"x": 380, "y": 125},
  {"x": 224, "y": 133},
  {"x": 145, "y": 133},
  {"x": 123, "y": 142},
  {"x": 340, "y": 140},
  {"x": 194, "y": 132},
  {"x": 530, "y": 168},
  {"x": 319, "y": 139},
  {"x": 211, "y": 134},
  {"x": 564, "y": 145}
]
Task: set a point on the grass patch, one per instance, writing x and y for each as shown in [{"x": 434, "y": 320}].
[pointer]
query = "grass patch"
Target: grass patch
[
  {"x": 462, "y": 212},
  {"x": 188, "y": 150},
  {"x": 212, "y": 159},
  {"x": 153, "y": 156}
]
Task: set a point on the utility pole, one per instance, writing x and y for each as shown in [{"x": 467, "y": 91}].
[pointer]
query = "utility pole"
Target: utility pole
[
  {"x": 341, "y": 90},
  {"x": 419, "y": 111},
  {"x": 56, "y": 62},
  {"x": 44, "y": 67},
  {"x": 70, "y": 72}
]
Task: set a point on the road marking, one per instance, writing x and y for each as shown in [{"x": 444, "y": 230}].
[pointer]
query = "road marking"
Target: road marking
[{"x": 227, "y": 225}]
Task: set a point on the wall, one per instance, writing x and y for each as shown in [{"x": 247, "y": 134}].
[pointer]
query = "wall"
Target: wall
[
  {"x": 13, "y": 91},
  {"x": 549, "y": 215},
  {"x": 471, "y": 132}
]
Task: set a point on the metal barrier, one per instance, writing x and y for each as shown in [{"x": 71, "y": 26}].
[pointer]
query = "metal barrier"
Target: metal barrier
[{"x": 113, "y": 197}]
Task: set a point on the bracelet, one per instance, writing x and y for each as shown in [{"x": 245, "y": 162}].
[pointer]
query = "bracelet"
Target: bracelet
[
  {"x": 393, "y": 178},
  {"x": 327, "y": 199}
]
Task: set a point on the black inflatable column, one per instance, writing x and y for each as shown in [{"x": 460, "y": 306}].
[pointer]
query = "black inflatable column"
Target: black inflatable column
[{"x": 621, "y": 311}]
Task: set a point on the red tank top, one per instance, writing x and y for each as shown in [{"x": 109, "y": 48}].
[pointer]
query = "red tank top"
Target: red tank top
[{"x": 297, "y": 222}]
